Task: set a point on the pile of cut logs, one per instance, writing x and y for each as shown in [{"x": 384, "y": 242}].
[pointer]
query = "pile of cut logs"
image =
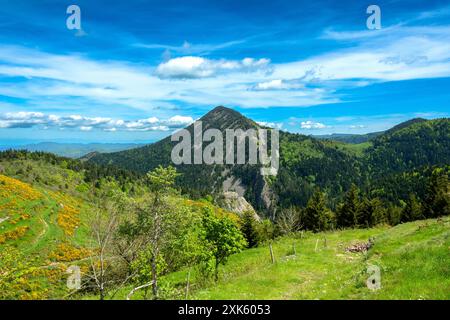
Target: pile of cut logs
[{"x": 360, "y": 247}]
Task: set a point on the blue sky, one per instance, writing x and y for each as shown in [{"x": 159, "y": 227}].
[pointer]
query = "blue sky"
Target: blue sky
[{"x": 140, "y": 69}]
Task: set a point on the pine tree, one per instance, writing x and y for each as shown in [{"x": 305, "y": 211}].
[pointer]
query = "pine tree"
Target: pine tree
[
  {"x": 437, "y": 197},
  {"x": 348, "y": 211},
  {"x": 249, "y": 229},
  {"x": 317, "y": 216},
  {"x": 365, "y": 212},
  {"x": 412, "y": 210},
  {"x": 394, "y": 214},
  {"x": 371, "y": 212},
  {"x": 378, "y": 212}
]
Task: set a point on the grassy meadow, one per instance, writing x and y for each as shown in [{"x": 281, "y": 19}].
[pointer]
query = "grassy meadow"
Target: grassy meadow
[{"x": 414, "y": 259}]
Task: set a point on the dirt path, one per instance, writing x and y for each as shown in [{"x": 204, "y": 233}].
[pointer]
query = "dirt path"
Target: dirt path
[
  {"x": 44, "y": 231},
  {"x": 3, "y": 219}
]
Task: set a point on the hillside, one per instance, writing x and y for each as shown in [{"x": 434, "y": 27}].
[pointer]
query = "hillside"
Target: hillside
[
  {"x": 410, "y": 145},
  {"x": 49, "y": 207},
  {"x": 47, "y": 220},
  {"x": 49, "y": 230},
  {"x": 413, "y": 258},
  {"x": 305, "y": 163}
]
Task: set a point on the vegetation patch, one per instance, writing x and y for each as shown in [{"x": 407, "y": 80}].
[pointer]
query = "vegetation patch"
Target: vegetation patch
[
  {"x": 65, "y": 252},
  {"x": 68, "y": 219}
]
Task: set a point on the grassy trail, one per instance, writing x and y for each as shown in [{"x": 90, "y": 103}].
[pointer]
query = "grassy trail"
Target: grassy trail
[{"x": 414, "y": 260}]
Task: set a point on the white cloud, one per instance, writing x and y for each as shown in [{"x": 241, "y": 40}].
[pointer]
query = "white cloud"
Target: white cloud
[
  {"x": 331, "y": 34},
  {"x": 393, "y": 54},
  {"x": 273, "y": 84},
  {"x": 440, "y": 12},
  {"x": 279, "y": 84},
  {"x": 23, "y": 115},
  {"x": 55, "y": 80},
  {"x": 312, "y": 125},
  {"x": 191, "y": 48},
  {"x": 21, "y": 119},
  {"x": 180, "y": 120},
  {"x": 75, "y": 81},
  {"x": 35, "y": 119},
  {"x": 190, "y": 67},
  {"x": 374, "y": 65},
  {"x": 273, "y": 125}
]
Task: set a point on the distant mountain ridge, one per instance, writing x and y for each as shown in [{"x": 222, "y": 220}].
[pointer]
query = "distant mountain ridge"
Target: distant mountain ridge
[
  {"x": 349, "y": 137},
  {"x": 366, "y": 137},
  {"x": 78, "y": 150}
]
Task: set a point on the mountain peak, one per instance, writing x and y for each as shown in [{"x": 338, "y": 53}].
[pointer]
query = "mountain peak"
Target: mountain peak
[
  {"x": 221, "y": 111},
  {"x": 225, "y": 118}
]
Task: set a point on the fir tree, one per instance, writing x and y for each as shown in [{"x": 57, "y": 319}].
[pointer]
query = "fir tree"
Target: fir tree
[
  {"x": 249, "y": 229},
  {"x": 437, "y": 198},
  {"x": 348, "y": 211},
  {"x": 412, "y": 210},
  {"x": 317, "y": 216},
  {"x": 371, "y": 212}
]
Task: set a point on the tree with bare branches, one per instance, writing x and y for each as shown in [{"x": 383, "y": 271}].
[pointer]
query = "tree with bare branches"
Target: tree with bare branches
[{"x": 108, "y": 269}]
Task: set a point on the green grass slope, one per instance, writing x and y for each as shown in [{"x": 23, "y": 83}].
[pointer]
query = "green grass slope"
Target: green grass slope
[
  {"x": 414, "y": 259},
  {"x": 45, "y": 227},
  {"x": 48, "y": 229}
]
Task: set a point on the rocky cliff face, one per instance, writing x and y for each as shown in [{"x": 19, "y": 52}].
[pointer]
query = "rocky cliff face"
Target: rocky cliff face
[{"x": 233, "y": 202}]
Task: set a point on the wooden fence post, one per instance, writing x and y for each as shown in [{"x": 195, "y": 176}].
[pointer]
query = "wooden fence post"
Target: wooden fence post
[
  {"x": 187, "y": 284},
  {"x": 271, "y": 252}
]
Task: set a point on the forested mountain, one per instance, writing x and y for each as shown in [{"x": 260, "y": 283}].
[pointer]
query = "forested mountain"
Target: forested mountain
[
  {"x": 198, "y": 180},
  {"x": 305, "y": 163},
  {"x": 410, "y": 145}
]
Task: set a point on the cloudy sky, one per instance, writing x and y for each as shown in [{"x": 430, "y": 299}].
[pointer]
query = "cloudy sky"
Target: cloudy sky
[{"x": 137, "y": 70}]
